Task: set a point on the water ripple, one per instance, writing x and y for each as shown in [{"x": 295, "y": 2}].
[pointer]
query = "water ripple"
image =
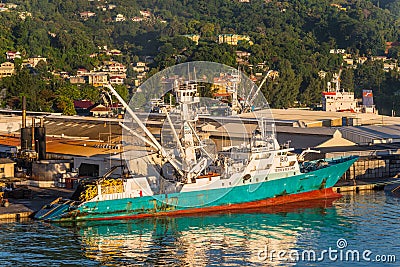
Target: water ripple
[{"x": 365, "y": 221}]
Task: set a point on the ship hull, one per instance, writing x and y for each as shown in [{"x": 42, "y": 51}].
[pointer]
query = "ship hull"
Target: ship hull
[
  {"x": 327, "y": 193},
  {"x": 303, "y": 187}
]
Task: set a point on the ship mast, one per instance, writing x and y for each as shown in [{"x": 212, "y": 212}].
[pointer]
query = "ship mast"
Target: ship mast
[
  {"x": 236, "y": 107},
  {"x": 336, "y": 81},
  {"x": 151, "y": 139},
  {"x": 187, "y": 96}
]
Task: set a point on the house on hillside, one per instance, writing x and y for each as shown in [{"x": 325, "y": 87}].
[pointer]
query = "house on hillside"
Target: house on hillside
[
  {"x": 233, "y": 39},
  {"x": 145, "y": 13},
  {"x": 12, "y": 55},
  {"x": 114, "y": 52},
  {"x": 87, "y": 14},
  {"x": 116, "y": 80},
  {"x": 116, "y": 67},
  {"x": 33, "y": 61},
  {"x": 194, "y": 37},
  {"x": 390, "y": 45},
  {"x": 98, "y": 79},
  {"x": 77, "y": 80},
  {"x": 140, "y": 67},
  {"x": 82, "y": 72},
  {"x": 361, "y": 60},
  {"x": 138, "y": 19},
  {"x": 387, "y": 66},
  {"x": 6, "y": 69},
  {"x": 119, "y": 18},
  {"x": 100, "y": 111}
]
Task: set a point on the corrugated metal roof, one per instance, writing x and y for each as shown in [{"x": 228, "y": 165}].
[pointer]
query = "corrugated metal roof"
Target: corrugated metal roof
[
  {"x": 372, "y": 134},
  {"x": 313, "y": 131},
  {"x": 77, "y": 148},
  {"x": 235, "y": 130}
]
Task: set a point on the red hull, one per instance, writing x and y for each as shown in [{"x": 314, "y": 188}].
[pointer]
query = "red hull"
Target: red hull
[{"x": 326, "y": 193}]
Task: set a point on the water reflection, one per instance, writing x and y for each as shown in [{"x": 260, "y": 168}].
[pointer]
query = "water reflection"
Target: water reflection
[
  {"x": 218, "y": 239},
  {"x": 368, "y": 220}
]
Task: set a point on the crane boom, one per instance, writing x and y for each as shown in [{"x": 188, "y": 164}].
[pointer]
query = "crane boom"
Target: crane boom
[
  {"x": 259, "y": 88},
  {"x": 153, "y": 140}
]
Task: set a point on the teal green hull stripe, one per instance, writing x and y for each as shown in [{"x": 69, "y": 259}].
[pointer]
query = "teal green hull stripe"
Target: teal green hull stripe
[{"x": 305, "y": 182}]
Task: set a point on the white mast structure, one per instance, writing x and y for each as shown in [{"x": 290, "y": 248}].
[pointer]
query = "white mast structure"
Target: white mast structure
[
  {"x": 335, "y": 81},
  {"x": 150, "y": 140},
  {"x": 187, "y": 96},
  {"x": 190, "y": 166},
  {"x": 236, "y": 107}
]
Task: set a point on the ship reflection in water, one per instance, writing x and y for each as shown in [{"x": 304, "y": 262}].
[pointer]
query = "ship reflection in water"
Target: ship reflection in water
[
  {"x": 215, "y": 239},
  {"x": 367, "y": 221}
]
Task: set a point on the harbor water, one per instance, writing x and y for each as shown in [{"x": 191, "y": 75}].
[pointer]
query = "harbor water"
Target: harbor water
[{"x": 357, "y": 229}]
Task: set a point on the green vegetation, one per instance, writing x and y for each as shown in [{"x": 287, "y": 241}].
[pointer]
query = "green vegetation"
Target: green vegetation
[{"x": 293, "y": 37}]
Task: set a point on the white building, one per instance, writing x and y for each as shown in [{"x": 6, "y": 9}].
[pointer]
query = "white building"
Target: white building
[
  {"x": 145, "y": 13},
  {"x": 6, "y": 69},
  {"x": 116, "y": 80},
  {"x": 12, "y": 55},
  {"x": 87, "y": 14},
  {"x": 336, "y": 100},
  {"x": 119, "y": 18}
]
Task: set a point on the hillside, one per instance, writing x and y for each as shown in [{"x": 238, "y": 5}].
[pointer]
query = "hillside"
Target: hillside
[{"x": 293, "y": 37}]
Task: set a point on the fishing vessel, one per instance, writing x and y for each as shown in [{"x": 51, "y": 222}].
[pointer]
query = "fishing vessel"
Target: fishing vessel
[{"x": 191, "y": 178}]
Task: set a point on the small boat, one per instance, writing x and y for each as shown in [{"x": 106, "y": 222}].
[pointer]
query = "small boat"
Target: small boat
[
  {"x": 54, "y": 209},
  {"x": 393, "y": 189}
]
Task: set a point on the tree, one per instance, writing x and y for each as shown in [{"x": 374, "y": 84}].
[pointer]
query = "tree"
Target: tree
[
  {"x": 312, "y": 94},
  {"x": 65, "y": 105},
  {"x": 300, "y": 32},
  {"x": 369, "y": 75},
  {"x": 347, "y": 79},
  {"x": 283, "y": 92},
  {"x": 207, "y": 29},
  {"x": 394, "y": 52},
  {"x": 122, "y": 90},
  {"x": 221, "y": 53}
]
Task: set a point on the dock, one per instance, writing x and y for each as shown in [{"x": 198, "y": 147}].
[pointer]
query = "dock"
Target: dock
[
  {"x": 362, "y": 185},
  {"x": 20, "y": 209},
  {"x": 15, "y": 212}
]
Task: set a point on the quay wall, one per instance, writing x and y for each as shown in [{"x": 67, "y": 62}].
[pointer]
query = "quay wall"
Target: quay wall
[{"x": 374, "y": 168}]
